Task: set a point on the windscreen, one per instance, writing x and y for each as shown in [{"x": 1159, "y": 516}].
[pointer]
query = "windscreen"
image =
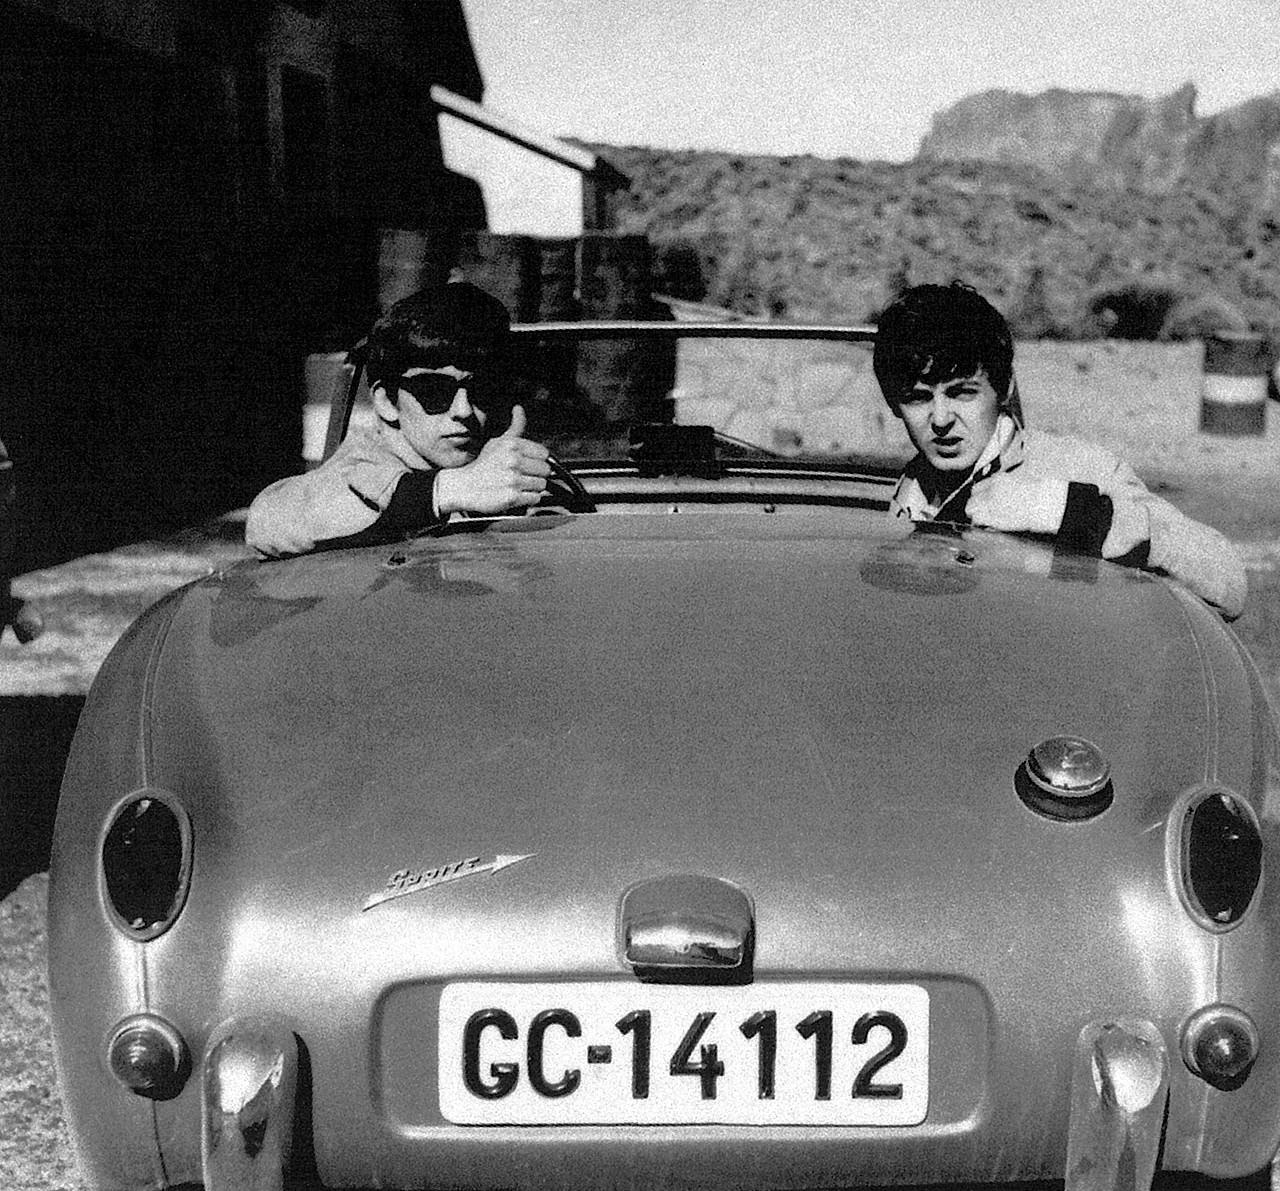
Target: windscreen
[{"x": 804, "y": 399}]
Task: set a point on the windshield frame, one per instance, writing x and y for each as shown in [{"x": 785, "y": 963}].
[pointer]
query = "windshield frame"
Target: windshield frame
[{"x": 600, "y": 330}]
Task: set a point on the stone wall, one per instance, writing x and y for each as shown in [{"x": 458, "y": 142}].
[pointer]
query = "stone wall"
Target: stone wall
[{"x": 789, "y": 396}]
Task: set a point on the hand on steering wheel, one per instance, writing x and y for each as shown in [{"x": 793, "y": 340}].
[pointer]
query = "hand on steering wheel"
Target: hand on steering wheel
[{"x": 581, "y": 501}]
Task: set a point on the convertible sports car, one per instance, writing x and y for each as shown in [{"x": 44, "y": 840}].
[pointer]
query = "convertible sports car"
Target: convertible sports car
[{"x": 711, "y": 829}]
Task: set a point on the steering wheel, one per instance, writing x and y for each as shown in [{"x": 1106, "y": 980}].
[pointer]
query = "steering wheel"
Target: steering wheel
[{"x": 582, "y": 501}]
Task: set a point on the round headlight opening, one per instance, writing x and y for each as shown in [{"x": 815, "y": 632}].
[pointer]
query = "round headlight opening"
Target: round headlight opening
[
  {"x": 146, "y": 862},
  {"x": 1222, "y": 857}
]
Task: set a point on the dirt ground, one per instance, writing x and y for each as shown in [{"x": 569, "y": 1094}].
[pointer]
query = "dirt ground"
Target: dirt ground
[{"x": 1141, "y": 400}]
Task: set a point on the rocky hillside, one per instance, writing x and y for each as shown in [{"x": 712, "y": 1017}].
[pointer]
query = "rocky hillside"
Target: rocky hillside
[
  {"x": 1064, "y": 250},
  {"x": 1158, "y": 145}
]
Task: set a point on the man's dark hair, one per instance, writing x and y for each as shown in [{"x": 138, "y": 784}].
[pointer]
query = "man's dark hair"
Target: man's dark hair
[
  {"x": 453, "y": 322},
  {"x": 935, "y": 333}
]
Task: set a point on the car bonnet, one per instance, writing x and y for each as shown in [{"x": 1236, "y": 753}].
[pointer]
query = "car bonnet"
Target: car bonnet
[{"x": 772, "y": 699}]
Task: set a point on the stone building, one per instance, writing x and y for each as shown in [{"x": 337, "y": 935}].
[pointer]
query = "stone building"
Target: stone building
[{"x": 190, "y": 193}]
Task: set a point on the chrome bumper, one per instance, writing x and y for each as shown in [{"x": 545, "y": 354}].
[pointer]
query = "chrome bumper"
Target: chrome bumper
[
  {"x": 1119, "y": 1087},
  {"x": 248, "y": 1081}
]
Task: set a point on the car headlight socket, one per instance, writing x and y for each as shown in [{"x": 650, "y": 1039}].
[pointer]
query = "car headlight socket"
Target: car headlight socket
[
  {"x": 145, "y": 862},
  {"x": 1219, "y": 857}
]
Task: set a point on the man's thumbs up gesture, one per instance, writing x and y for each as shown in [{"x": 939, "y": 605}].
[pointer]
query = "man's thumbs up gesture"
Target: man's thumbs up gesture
[
  {"x": 518, "y": 422},
  {"x": 510, "y": 473}
]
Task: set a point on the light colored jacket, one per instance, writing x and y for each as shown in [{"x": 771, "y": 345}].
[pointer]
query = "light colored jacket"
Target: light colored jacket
[
  {"x": 1131, "y": 525},
  {"x": 344, "y": 500}
]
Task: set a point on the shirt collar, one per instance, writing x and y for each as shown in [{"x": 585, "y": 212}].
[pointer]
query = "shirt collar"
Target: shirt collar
[{"x": 1005, "y": 450}]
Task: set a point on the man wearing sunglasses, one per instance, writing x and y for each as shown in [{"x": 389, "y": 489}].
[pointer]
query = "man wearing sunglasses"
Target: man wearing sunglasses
[{"x": 447, "y": 439}]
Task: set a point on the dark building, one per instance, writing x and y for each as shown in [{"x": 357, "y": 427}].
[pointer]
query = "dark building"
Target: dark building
[{"x": 190, "y": 198}]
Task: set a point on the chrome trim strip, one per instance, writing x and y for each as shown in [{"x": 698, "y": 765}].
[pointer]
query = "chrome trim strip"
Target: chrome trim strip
[{"x": 654, "y": 329}]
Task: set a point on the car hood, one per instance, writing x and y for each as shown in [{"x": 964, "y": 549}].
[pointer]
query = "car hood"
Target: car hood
[{"x": 826, "y": 711}]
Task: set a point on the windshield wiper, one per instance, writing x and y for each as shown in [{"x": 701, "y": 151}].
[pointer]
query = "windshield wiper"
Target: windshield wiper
[{"x": 739, "y": 448}]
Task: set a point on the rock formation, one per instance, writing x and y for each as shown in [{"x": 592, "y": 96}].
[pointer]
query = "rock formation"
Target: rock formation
[{"x": 1155, "y": 145}]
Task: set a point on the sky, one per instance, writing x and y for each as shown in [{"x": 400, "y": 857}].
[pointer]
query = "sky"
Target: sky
[{"x": 842, "y": 78}]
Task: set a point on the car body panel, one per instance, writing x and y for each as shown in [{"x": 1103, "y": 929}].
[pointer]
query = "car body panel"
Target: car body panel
[
  {"x": 469, "y": 756},
  {"x": 653, "y": 693}
]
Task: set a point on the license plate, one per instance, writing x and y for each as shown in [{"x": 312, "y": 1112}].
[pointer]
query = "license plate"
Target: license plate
[{"x": 821, "y": 1053}]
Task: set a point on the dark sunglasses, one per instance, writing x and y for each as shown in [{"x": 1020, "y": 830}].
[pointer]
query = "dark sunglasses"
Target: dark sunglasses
[{"x": 435, "y": 391}]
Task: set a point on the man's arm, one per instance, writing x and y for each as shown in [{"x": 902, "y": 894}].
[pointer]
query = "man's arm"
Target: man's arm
[
  {"x": 340, "y": 499},
  {"x": 1119, "y": 519},
  {"x": 1195, "y": 554},
  {"x": 351, "y": 499}
]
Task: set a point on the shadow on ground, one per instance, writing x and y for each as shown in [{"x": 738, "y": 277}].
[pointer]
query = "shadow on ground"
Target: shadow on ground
[{"x": 35, "y": 735}]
